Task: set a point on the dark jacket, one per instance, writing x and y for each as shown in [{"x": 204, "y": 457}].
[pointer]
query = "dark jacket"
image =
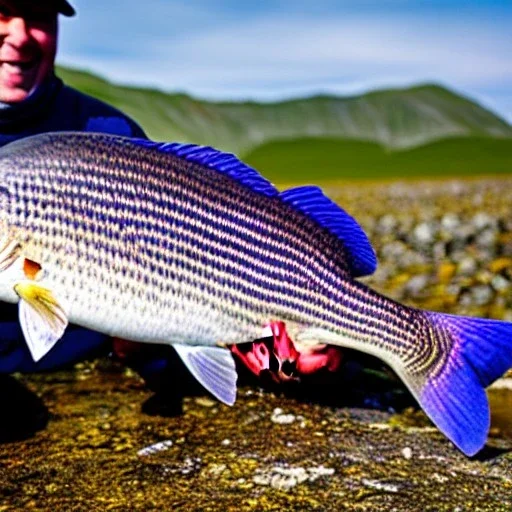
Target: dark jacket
[{"x": 55, "y": 107}]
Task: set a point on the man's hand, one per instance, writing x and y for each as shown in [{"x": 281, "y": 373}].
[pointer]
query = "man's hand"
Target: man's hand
[{"x": 285, "y": 360}]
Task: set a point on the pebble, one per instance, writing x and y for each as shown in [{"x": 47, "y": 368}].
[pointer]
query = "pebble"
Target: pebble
[
  {"x": 481, "y": 294},
  {"x": 482, "y": 220},
  {"x": 279, "y": 417},
  {"x": 155, "y": 448},
  {"x": 318, "y": 472},
  {"x": 217, "y": 469},
  {"x": 467, "y": 266},
  {"x": 499, "y": 283},
  {"x": 394, "y": 249},
  {"x": 190, "y": 465},
  {"x": 439, "y": 478},
  {"x": 205, "y": 402},
  {"x": 386, "y": 224},
  {"x": 380, "y": 486},
  {"x": 407, "y": 453},
  {"x": 416, "y": 284},
  {"x": 450, "y": 222},
  {"x": 487, "y": 238},
  {"x": 285, "y": 478},
  {"x": 424, "y": 233}
]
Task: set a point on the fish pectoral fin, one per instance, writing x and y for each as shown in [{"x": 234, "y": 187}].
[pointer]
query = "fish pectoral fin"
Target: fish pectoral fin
[
  {"x": 213, "y": 367},
  {"x": 43, "y": 320}
]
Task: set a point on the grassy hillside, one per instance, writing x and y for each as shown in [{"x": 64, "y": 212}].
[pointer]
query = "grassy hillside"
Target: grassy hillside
[
  {"x": 331, "y": 159},
  {"x": 399, "y": 118}
]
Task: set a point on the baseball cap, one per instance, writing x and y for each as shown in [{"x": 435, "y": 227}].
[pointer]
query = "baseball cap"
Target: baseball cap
[
  {"x": 60, "y": 6},
  {"x": 64, "y": 7}
]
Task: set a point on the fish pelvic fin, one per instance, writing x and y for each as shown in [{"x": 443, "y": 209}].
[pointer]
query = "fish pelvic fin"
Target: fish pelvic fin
[
  {"x": 213, "y": 367},
  {"x": 466, "y": 356},
  {"x": 43, "y": 320}
]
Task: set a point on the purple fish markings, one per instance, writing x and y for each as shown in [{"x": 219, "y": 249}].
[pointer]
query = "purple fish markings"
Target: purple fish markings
[{"x": 185, "y": 245}]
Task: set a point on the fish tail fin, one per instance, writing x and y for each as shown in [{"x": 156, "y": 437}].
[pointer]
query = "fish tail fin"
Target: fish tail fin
[{"x": 470, "y": 354}]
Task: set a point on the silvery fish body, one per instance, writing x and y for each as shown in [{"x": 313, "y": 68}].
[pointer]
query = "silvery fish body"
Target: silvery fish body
[
  {"x": 170, "y": 243},
  {"x": 145, "y": 245}
]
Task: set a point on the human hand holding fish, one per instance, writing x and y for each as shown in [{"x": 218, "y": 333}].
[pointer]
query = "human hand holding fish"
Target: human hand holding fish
[
  {"x": 284, "y": 360},
  {"x": 180, "y": 244}
]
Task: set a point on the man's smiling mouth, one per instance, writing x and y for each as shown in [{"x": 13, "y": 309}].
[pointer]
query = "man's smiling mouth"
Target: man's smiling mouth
[{"x": 17, "y": 66}]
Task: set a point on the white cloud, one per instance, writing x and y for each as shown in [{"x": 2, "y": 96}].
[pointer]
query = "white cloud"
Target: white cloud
[{"x": 178, "y": 46}]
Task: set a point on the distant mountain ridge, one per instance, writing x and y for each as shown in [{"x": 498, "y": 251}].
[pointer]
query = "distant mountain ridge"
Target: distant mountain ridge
[{"x": 394, "y": 118}]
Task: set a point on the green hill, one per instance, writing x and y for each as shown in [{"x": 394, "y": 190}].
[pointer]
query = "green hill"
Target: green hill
[
  {"x": 397, "y": 119},
  {"x": 309, "y": 159}
]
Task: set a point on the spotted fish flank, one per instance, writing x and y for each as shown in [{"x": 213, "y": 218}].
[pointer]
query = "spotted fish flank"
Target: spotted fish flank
[{"x": 180, "y": 244}]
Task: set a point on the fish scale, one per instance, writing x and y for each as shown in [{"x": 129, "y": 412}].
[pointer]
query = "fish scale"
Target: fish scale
[{"x": 179, "y": 244}]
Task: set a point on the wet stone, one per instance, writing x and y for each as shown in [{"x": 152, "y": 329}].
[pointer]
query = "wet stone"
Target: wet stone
[
  {"x": 500, "y": 284},
  {"x": 386, "y": 224},
  {"x": 416, "y": 285},
  {"x": 278, "y": 416},
  {"x": 450, "y": 222},
  {"x": 483, "y": 220},
  {"x": 481, "y": 294},
  {"x": 424, "y": 234},
  {"x": 467, "y": 266}
]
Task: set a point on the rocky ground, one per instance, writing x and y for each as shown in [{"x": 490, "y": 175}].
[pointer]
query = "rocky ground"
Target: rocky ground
[
  {"x": 444, "y": 246},
  {"x": 351, "y": 441}
]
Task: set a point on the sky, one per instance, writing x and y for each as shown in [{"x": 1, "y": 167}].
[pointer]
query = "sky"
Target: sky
[{"x": 271, "y": 50}]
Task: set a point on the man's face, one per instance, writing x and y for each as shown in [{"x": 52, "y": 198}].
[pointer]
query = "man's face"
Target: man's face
[{"x": 28, "y": 42}]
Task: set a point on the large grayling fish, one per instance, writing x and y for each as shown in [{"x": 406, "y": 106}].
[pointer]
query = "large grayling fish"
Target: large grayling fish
[{"x": 180, "y": 244}]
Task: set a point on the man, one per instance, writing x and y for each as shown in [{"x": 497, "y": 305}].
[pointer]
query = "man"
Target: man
[{"x": 34, "y": 100}]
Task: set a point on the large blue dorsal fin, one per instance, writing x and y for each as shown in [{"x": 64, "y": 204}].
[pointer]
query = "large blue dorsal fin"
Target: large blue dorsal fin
[
  {"x": 312, "y": 201},
  {"x": 225, "y": 163},
  {"x": 309, "y": 200}
]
